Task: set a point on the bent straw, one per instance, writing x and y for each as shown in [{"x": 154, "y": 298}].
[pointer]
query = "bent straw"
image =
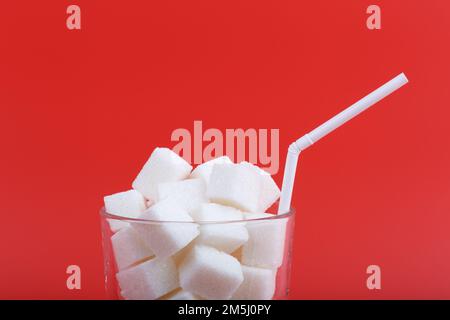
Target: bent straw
[{"x": 308, "y": 139}]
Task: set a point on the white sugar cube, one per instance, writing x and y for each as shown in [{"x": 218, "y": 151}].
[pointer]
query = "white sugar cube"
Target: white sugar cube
[
  {"x": 210, "y": 273},
  {"x": 182, "y": 295},
  {"x": 265, "y": 246},
  {"x": 129, "y": 204},
  {"x": 269, "y": 189},
  {"x": 188, "y": 193},
  {"x": 166, "y": 238},
  {"x": 216, "y": 212},
  {"x": 258, "y": 284},
  {"x": 164, "y": 165},
  {"x": 149, "y": 280},
  {"x": 204, "y": 170},
  {"x": 224, "y": 237},
  {"x": 129, "y": 248},
  {"x": 235, "y": 185},
  {"x": 116, "y": 225}
]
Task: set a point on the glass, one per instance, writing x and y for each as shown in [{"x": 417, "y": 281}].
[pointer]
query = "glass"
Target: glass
[{"x": 266, "y": 248}]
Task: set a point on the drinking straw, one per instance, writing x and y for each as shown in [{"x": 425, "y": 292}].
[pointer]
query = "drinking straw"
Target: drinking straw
[{"x": 308, "y": 139}]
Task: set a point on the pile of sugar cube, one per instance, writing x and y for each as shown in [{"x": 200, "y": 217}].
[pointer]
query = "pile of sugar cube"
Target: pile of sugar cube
[{"x": 212, "y": 241}]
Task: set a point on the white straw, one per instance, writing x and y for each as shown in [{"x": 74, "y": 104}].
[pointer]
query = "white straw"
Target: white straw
[{"x": 308, "y": 139}]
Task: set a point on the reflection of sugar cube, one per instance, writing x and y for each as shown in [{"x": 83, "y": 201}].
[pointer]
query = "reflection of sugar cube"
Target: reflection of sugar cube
[
  {"x": 129, "y": 248},
  {"x": 269, "y": 189},
  {"x": 265, "y": 246},
  {"x": 258, "y": 284},
  {"x": 129, "y": 204},
  {"x": 236, "y": 185},
  {"x": 204, "y": 170},
  {"x": 188, "y": 193},
  {"x": 210, "y": 273},
  {"x": 164, "y": 165},
  {"x": 166, "y": 238},
  {"x": 182, "y": 295},
  {"x": 149, "y": 280}
]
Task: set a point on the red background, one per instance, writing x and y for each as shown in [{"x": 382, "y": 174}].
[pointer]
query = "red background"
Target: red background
[{"x": 82, "y": 110}]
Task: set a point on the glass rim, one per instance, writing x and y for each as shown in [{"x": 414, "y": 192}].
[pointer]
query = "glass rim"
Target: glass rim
[{"x": 107, "y": 215}]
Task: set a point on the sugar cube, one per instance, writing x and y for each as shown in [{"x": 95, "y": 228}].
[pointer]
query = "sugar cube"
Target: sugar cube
[
  {"x": 115, "y": 225},
  {"x": 167, "y": 238},
  {"x": 224, "y": 237},
  {"x": 235, "y": 185},
  {"x": 182, "y": 295},
  {"x": 269, "y": 189},
  {"x": 148, "y": 280},
  {"x": 265, "y": 245},
  {"x": 129, "y": 204},
  {"x": 164, "y": 165},
  {"x": 204, "y": 170},
  {"x": 189, "y": 193},
  {"x": 216, "y": 212},
  {"x": 210, "y": 273},
  {"x": 182, "y": 254},
  {"x": 129, "y": 248},
  {"x": 258, "y": 284}
]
